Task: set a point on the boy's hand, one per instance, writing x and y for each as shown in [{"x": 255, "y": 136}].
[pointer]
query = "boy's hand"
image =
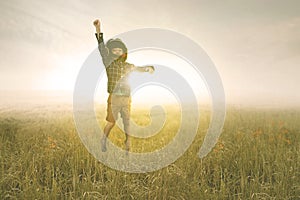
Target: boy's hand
[
  {"x": 97, "y": 25},
  {"x": 150, "y": 69}
]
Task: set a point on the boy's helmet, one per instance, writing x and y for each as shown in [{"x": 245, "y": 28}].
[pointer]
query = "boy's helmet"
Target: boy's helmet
[{"x": 117, "y": 43}]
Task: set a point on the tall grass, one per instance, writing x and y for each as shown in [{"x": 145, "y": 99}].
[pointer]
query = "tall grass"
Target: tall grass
[{"x": 256, "y": 157}]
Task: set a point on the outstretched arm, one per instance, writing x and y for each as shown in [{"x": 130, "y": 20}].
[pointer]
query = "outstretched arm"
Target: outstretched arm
[
  {"x": 149, "y": 69},
  {"x": 101, "y": 46}
]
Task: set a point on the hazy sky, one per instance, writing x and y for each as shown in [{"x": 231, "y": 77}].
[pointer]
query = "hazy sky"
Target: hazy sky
[{"x": 255, "y": 44}]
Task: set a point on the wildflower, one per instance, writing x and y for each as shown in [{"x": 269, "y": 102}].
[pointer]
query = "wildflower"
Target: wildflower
[
  {"x": 257, "y": 133},
  {"x": 219, "y": 146},
  {"x": 52, "y": 143},
  {"x": 281, "y": 124},
  {"x": 284, "y": 131}
]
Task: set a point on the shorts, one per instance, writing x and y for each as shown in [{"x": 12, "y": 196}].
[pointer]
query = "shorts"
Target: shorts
[{"x": 118, "y": 104}]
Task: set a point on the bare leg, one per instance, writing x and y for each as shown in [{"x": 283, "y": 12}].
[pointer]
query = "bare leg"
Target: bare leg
[
  {"x": 107, "y": 130},
  {"x": 127, "y": 142},
  {"x": 127, "y": 135}
]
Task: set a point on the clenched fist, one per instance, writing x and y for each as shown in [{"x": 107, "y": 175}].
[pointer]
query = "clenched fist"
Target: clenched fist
[
  {"x": 150, "y": 69},
  {"x": 97, "y": 25}
]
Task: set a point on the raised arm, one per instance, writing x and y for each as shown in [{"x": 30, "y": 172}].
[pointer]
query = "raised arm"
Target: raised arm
[{"x": 101, "y": 46}]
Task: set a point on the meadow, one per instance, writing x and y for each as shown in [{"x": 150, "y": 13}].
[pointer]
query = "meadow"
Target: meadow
[{"x": 256, "y": 157}]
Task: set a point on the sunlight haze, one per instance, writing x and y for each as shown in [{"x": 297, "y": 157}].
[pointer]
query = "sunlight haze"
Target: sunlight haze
[{"x": 253, "y": 44}]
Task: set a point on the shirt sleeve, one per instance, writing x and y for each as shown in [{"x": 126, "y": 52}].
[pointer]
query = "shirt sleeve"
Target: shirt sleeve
[
  {"x": 139, "y": 69},
  {"x": 104, "y": 52}
]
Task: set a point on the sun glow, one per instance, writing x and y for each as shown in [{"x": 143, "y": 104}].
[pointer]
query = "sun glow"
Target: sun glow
[{"x": 63, "y": 76}]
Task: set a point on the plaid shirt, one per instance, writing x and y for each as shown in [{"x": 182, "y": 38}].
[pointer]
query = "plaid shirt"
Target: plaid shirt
[
  {"x": 117, "y": 74},
  {"x": 117, "y": 70}
]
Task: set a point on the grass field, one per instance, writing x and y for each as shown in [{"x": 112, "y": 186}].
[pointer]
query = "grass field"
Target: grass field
[{"x": 256, "y": 157}]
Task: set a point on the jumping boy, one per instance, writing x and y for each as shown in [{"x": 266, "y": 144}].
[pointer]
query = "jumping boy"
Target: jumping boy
[{"x": 114, "y": 55}]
